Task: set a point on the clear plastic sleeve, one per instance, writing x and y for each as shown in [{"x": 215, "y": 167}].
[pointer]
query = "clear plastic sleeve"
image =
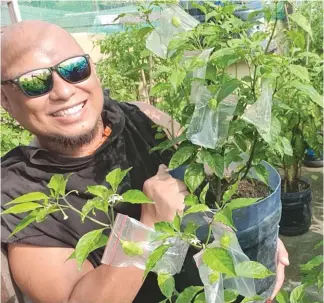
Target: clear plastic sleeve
[
  {"x": 259, "y": 113},
  {"x": 174, "y": 20},
  {"x": 214, "y": 292},
  {"x": 131, "y": 230},
  {"x": 209, "y": 127}
]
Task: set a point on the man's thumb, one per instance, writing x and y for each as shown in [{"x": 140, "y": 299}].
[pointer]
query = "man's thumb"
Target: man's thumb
[{"x": 163, "y": 169}]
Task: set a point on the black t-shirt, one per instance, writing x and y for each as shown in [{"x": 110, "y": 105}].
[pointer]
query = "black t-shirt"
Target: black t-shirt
[{"x": 27, "y": 169}]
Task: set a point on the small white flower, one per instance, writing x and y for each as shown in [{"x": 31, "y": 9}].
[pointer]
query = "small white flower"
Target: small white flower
[
  {"x": 195, "y": 241},
  {"x": 114, "y": 198}
]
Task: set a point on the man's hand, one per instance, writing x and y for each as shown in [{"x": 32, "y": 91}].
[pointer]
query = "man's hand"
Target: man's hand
[
  {"x": 167, "y": 193},
  {"x": 282, "y": 262}
]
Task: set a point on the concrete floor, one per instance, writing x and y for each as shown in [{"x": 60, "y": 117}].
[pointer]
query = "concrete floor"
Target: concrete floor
[{"x": 300, "y": 248}]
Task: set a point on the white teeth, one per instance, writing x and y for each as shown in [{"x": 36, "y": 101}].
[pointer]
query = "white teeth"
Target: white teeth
[{"x": 70, "y": 111}]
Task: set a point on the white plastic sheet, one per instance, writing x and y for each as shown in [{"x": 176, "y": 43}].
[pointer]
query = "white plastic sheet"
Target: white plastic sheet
[
  {"x": 259, "y": 113},
  {"x": 131, "y": 230},
  {"x": 209, "y": 127},
  {"x": 159, "y": 39},
  {"x": 214, "y": 292}
]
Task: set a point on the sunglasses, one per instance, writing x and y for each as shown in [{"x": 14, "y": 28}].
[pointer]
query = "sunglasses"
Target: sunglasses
[{"x": 39, "y": 82}]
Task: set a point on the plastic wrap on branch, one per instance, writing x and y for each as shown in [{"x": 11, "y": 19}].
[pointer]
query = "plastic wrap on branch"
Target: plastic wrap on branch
[
  {"x": 224, "y": 237},
  {"x": 197, "y": 89},
  {"x": 131, "y": 242},
  {"x": 199, "y": 72},
  {"x": 259, "y": 113},
  {"x": 214, "y": 292},
  {"x": 209, "y": 127},
  {"x": 174, "y": 20}
]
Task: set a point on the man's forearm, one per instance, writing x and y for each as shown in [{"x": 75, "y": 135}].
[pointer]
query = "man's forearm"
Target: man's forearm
[{"x": 107, "y": 284}]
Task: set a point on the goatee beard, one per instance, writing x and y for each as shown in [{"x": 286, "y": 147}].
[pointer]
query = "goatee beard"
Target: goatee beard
[{"x": 75, "y": 142}]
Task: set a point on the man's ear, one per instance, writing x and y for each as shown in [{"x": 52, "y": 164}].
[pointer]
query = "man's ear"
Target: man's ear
[{"x": 5, "y": 102}]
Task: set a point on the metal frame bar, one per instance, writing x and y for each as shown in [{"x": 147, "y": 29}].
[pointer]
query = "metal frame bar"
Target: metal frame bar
[{"x": 14, "y": 11}]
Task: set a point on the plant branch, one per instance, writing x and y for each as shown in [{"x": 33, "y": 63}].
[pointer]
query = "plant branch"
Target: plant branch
[
  {"x": 249, "y": 163},
  {"x": 209, "y": 233},
  {"x": 80, "y": 213},
  {"x": 273, "y": 31}
]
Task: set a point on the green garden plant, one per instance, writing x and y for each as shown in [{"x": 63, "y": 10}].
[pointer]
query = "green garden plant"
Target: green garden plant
[{"x": 215, "y": 185}]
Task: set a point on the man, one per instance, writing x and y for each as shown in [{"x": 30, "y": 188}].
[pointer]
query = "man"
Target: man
[{"x": 80, "y": 130}]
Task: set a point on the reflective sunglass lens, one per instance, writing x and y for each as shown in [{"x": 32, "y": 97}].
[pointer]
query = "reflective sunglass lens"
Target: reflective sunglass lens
[
  {"x": 36, "y": 83},
  {"x": 75, "y": 69}
]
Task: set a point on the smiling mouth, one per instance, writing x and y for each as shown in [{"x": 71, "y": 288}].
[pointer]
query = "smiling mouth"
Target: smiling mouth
[{"x": 72, "y": 111}]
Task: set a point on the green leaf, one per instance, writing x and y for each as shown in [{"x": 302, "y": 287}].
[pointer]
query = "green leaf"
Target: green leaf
[
  {"x": 194, "y": 176},
  {"x": 30, "y": 197},
  {"x": 318, "y": 245},
  {"x": 188, "y": 294},
  {"x": 181, "y": 156},
  {"x": 58, "y": 184},
  {"x": 101, "y": 242},
  {"x": 176, "y": 78},
  {"x": 227, "y": 88},
  {"x": 191, "y": 228},
  {"x": 309, "y": 91},
  {"x": 132, "y": 249},
  {"x": 225, "y": 216},
  {"x": 230, "y": 295},
  {"x": 159, "y": 88},
  {"x": 191, "y": 200},
  {"x": 219, "y": 259},
  {"x": 177, "y": 222},
  {"x": 214, "y": 161},
  {"x": 232, "y": 156},
  {"x": 299, "y": 71},
  {"x": 44, "y": 212},
  {"x": 174, "y": 141},
  {"x": 314, "y": 262},
  {"x": 214, "y": 277},
  {"x": 251, "y": 269},
  {"x": 301, "y": 21},
  {"x": 196, "y": 209},
  {"x": 135, "y": 196},
  {"x": 262, "y": 173},
  {"x": 30, "y": 218},
  {"x": 154, "y": 257},
  {"x": 115, "y": 177},
  {"x": 202, "y": 8},
  {"x": 166, "y": 284},
  {"x": 297, "y": 294},
  {"x": 159, "y": 136},
  {"x": 164, "y": 227},
  {"x": 287, "y": 146},
  {"x": 21, "y": 208},
  {"x": 200, "y": 298},
  {"x": 202, "y": 196},
  {"x": 99, "y": 191},
  {"x": 242, "y": 202},
  {"x": 86, "y": 244},
  {"x": 282, "y": 296},
  {"x": 231, "y": 191},
  {"x": 252, "y": 299}
]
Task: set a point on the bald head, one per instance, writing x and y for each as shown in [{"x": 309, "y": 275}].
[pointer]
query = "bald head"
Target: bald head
[{"x": 22, "y": 42}]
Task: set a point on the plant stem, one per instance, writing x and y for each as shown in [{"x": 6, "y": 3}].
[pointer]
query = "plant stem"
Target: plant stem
[
  {"x": 79, "y": 212},
  {"x": 273, "y": 31},
  {"x": 218, "y": 190},
  {"x": 209, "y": 233},
  {"x": 249, "y": 163},
  {"x": 112, "y": 215}
]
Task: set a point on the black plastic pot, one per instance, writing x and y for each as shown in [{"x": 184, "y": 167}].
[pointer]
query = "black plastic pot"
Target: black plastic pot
[
  {"x": 296, "y": 215},
  {"x": 257, "y": 232},
  {"x": 311, "y": 160}
]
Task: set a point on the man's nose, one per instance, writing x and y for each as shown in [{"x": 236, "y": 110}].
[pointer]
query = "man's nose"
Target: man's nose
[{"x": 62, "y": 90}]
